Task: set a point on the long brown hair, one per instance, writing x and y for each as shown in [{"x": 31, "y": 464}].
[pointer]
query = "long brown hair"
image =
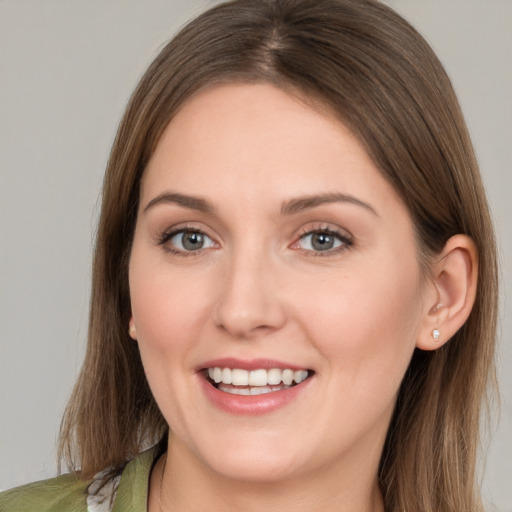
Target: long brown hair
[{"x": 369, "y": 67}]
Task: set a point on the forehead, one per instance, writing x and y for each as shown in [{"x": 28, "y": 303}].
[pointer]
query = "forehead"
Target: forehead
[{"x": 256, "y": 141}]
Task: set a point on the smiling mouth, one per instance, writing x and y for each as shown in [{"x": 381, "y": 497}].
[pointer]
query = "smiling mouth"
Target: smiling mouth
[{"x": 238, "y": 381}]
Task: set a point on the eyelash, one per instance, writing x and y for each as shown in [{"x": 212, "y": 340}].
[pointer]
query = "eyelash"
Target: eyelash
[
  {"x": 346, "y": 241},
  {"x": 165, "y": 237}
]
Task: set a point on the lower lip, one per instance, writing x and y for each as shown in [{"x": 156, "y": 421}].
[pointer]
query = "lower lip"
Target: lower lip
[{"x": 251, "y": 405}]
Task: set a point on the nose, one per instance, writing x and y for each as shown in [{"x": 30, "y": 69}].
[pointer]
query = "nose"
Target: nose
[{"x": 250, "y": 302}]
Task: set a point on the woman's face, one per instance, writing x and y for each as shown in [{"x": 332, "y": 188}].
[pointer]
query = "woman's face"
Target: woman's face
[{"x": 267, "y": 248}]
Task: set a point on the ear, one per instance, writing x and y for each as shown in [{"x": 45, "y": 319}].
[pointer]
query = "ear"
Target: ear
[
  {"x": 454, "y": 283},
  {"x": 132, "y": 330}
]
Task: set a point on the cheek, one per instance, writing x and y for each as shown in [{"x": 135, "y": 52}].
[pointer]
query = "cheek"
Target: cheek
[
  {"x": 366, "y": 321},
  {"x": 168, "y": 306}
]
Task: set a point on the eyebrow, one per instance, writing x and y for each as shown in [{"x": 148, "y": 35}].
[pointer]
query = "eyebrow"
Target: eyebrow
[
  {"x": 190, "y": 202},
  {"x": 305, "y": 203},
  {"x": 291, "y": 207}
]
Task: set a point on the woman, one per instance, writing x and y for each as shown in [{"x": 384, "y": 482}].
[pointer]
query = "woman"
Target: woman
[{"x": 287, "y": 294}]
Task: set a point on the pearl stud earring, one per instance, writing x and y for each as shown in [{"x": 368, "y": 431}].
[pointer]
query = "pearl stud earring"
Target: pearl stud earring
[{"x": 435, "y": 334}]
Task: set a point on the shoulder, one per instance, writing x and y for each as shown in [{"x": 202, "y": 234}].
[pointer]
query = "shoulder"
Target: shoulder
[
  {"x": 66, "y": 493},
  {"x": 106, "y": 492}
]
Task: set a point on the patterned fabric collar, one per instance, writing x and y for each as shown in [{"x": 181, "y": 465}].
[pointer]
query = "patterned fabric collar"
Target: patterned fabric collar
[
  {"x": 101, "y": 493},
  {"x": 128, "y": 490}
]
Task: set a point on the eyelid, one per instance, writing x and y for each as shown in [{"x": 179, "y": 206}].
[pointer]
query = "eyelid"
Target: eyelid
[
  {"x": 164, "y": 237},
  {"x": 346, "y": 239},
  {"x": 342, "y": 235}
]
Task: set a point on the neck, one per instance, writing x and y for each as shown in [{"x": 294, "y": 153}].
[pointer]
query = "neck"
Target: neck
[{"x": 180, "y": 482}]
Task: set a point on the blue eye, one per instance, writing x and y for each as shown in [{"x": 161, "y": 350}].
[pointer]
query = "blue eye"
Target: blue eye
[
  {"x": 190, "y": 240},
  {"x": 322, "y": 241}
]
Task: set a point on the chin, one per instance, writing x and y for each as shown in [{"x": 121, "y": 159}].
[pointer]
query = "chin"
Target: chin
[
  {"x": 256, "y": 463},
  {"x": 257, "y": 470}
]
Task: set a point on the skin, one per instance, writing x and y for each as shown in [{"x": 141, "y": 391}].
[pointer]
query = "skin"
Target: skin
[{"x": 259, "y": 289}]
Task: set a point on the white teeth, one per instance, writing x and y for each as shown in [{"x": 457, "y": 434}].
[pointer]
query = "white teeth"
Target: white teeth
[
  {"x": 239, "y": 377},
  {"x": 241, "y": 391},
  {"x": 226, "y": 376},
  {"x": 274, "y": 376},
  {"x": 257, "y": 390},
  {"x": 260, "y": 390},
  {"x": 287, "y": 377},
  {"x": 259, "y": 380},
  {"x": 300, "y": 375},
  {"x": 217, "y": 375}
]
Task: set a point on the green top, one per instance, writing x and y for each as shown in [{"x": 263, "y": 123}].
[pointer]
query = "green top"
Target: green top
[{"x": 127, "y": 491}]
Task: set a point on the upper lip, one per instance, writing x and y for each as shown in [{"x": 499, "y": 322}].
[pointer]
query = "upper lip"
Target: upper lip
[{"x": 252, "y": 364}]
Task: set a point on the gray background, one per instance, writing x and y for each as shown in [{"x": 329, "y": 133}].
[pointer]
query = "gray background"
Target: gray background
[{"x": 66, "y": 71}]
